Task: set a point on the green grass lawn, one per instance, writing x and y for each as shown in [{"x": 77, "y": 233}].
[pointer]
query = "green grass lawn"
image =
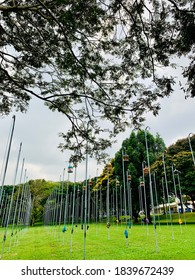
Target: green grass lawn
[{"x": 171, "y": 242}]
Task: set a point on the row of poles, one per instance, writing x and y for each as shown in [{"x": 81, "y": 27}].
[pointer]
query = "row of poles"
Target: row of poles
[
  {"x": 81, "y": 205},
  {"x": 15, "y": 203},
  {"x": 165, "y": 188},
  {"x": 77, "y": 206}
]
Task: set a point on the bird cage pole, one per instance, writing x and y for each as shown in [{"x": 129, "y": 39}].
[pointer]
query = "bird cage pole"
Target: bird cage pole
[
  {"x": 167, "y": 191},
  {"x": 11, "y": 204},
  {"x": 7, "y": 156},
  {"x": 125, "y": 158},
  {"x": 140, "y": 196},
  {"x": 85, "y": 203},
  {"x": 142, "y": 184},
  {"x": 175, "y": 190},
  {"x": 117, "y": 209},
  {"x": 61, "y": 203},
  {"x": 130, "y": 210},
  {"x": 73, "y": 205},
  {"x": 180, "y": 194},
  {"x": 156, "y": 196},
  {"x": 108, "y": 200},
  {"x": 66, "y": 200},
  {"x": 150, "y": 184},
  {"x": 191, "y": 148}
]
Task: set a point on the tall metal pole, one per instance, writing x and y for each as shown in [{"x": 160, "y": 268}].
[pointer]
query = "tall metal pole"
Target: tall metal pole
[
  {"x": 145, "y": 202},
  {"x": 66, "y": 201},
  {"x": 11, "y": 202},
  {"x": 108, "y": 204},
  {"x": 19, "y": 219},
  {"x": 124, "y": 187},
  {"x": 16, "y": 206},
  {"x": 167, "y": 191},
  {"x": 85, "y": 203},
  {"x": 73, "y": 205},
  {"x": 191, "y": 148},
  {"x": 130, "y": 209},
  {"x": 117, "y": 184},
  {"x": 7, "y": 157},
  {"x": 180, "y": 193},
  {"x": 175, "y": 190},
  {"x": 96, "y": 203},
  {"x": 157, "y": 205},
  {"x": 151, "y": 193},
  {"x": 61, "y": 202}
]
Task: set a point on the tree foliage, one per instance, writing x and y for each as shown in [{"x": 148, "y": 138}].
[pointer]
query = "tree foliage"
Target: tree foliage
[
  {"x": 93, "y": 61},
  {"x": 40, "y": 191}
]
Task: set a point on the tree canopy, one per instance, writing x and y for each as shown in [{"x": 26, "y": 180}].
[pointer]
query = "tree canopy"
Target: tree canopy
[{"x": 93, "y": 61}]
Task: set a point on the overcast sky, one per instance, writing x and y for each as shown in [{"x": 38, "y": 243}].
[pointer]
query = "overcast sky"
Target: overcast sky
[{"x": 38, "y": 131}]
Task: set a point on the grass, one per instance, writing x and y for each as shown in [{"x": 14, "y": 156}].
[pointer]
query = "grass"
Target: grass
[{"x": 49, "y": 243}]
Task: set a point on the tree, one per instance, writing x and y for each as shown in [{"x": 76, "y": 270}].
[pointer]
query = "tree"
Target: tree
[
  {"x": 181, "y": 145},
  {"x": 93, "y": 60},
  {"x": 40, "y": 190}
]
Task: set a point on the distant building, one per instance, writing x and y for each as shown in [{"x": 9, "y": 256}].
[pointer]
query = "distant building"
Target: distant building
[{"x": 175, "y": 206}]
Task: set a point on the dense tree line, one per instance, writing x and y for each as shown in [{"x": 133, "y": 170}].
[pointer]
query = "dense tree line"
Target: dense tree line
[{"x": 176, "y": 157}]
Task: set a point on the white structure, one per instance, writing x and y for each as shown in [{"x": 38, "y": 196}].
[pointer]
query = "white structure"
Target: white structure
[{"x": 175, "y": 206}]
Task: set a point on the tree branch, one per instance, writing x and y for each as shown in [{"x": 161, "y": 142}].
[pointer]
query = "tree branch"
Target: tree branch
[
  {"x": 180, "y": 10},
  {"x": 16, "y": 8}
]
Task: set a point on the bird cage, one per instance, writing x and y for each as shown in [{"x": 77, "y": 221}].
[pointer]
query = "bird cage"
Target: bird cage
[
  {"x": 129, "y": 178},
  {"x": 70, "y": 169},
  {"x": 142, "y": 184},
  {"x": 90, "y": 183},
  {"x": 117, "y": 183},
  {"x": 109, "y": 167},
  {"x": 125, "y": 157},
  {"x": 146, "y": 170},
  {"x": 84, "y": 188}
]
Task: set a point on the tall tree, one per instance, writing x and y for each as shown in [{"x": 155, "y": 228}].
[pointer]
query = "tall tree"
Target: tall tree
[{"x": 93, "y": 60}]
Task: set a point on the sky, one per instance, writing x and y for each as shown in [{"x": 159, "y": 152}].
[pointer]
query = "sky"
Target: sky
[{"x": 38, "y": 131}]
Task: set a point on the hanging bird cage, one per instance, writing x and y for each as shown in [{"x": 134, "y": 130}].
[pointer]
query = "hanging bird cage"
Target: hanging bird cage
[
  {"x": 117, "y": 183},
  {"x": 142, "y": 184},
  {"x": 70, "y": 169},
  {"x": 129, "y": 178},
  {"x": 146, "y": 170},
  {"x": 109, "y": 167},
  {"x": 90, "y": 183},
  {"x": 125, "y": 157},
  {"x": 84, "y": 188}
]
